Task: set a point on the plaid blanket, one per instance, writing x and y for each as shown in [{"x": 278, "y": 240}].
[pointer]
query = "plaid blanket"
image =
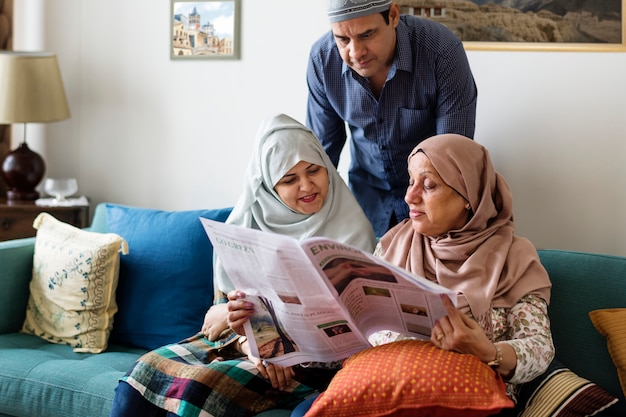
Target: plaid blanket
[{"x": 184, "y": 378}]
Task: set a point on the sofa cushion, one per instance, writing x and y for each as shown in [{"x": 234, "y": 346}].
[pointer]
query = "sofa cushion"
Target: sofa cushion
[
  {"x": 611, "y": 323},
  {"x": 72, "y": 290},
  {"x": 166, "y": 280},
  {"x": 560, "y": 392},
  {"x": 409, "y": 378},
  {"x": 41, "y": 379}
]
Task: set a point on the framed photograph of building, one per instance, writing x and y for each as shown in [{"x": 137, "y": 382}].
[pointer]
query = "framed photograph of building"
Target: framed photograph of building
[
  {"x": 207, "y": 29},
  {"x": 551, "y": 25}
]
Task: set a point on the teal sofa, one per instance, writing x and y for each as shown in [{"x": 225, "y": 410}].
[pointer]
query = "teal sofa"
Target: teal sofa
[{"x": 42, "y": 379}]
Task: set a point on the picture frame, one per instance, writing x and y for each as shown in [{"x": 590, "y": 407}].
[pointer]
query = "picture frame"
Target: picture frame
[
  {"x": 596, "y": 25},
  {"x": 208, "y": 29}
]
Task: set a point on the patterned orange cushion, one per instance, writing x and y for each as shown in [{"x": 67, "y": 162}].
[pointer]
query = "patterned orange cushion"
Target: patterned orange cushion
[
  {"x": 611, "y": 323},
  {"x": 410, "y": 377}
]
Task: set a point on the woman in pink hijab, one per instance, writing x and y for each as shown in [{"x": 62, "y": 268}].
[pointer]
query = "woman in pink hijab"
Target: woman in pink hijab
[{"x": 461, "y": 234}]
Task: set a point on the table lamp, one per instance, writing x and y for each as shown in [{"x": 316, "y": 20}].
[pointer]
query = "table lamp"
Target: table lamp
[{"x": 31, "y": 91}]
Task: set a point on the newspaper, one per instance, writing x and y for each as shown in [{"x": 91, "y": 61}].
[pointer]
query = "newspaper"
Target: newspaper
[{"x": 318, "y": 300}]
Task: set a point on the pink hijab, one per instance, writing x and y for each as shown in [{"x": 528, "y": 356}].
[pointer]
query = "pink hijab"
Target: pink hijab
[{"x": 483, "y": 261}]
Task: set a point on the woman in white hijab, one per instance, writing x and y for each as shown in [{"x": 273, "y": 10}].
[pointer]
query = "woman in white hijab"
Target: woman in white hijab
[
  {"x": 281, "y": 144},
  {"x": 292, "y": 188}
]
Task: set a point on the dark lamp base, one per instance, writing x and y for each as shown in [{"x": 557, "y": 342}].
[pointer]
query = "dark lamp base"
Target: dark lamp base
[
  {"x": 22, "y": 170},
  {"x": 22, "y": 196}
]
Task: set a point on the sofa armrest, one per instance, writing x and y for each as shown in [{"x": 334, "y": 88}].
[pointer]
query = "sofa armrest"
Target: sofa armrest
[
  {"x": 583, "y": 282},
  {"x": 16, "y": 258},
  {"x": 99, "y": 220}
]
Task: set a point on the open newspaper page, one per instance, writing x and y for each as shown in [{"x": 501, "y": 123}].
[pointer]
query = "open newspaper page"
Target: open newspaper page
[
  {"x": 376, "y": 294},
  {"x": 319, "y": 300},
  {"x": 295, "y": 310}
]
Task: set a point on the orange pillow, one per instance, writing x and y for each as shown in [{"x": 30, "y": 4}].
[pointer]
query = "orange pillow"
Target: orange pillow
[
  {"x": 611, "y": 323},
  {"x": 409, "y": 378}
]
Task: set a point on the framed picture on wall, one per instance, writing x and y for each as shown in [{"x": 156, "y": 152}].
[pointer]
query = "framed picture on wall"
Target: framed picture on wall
[
  {"x": 207, "y": 29},
  {"x": 551, "y": 25}
]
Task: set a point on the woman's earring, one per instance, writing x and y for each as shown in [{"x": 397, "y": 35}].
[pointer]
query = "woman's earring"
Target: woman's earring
[{"x": 467, "y": 206}]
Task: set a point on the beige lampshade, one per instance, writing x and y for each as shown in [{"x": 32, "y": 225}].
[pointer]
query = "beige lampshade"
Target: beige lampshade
[{"x": 31, "y": 88}]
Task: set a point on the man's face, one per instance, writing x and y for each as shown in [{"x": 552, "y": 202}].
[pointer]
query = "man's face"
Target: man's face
[{"x": 367, "y": 43}]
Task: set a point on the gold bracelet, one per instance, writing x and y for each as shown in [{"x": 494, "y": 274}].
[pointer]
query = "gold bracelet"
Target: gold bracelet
[{"x": 498, "y": 360}]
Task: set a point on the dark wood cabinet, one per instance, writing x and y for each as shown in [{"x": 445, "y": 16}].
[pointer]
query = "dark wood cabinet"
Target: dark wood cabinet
[{"x": 16, "y": 218}]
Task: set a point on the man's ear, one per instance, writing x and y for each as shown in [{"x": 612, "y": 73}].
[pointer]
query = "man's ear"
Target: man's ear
[{"x": 394, "y": 14}]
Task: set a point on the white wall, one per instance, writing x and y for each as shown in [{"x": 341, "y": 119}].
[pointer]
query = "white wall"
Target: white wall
[{"x": 149, "y": 131}]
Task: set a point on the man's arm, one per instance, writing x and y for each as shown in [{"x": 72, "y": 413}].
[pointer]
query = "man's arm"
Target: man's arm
[
  {"x": 456, "y": 107},
  {"x": 321, "y": 117}
]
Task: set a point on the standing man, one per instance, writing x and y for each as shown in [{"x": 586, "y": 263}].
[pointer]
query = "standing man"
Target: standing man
[{"x": 394, "y": 80}]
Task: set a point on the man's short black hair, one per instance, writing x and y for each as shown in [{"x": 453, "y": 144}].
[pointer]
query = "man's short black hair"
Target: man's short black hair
[{"x": 386, "y": 16}]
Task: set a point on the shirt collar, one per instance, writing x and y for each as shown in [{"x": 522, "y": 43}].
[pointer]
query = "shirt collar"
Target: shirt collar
[{"x": 403, "y": 57}]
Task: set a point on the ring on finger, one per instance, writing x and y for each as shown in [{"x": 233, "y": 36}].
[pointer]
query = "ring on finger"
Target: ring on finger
[
  {"x": 265, "y": 363},
  {"x": 440, "y": 336}
]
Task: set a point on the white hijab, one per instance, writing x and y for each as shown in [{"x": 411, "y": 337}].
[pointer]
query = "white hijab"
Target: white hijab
[{"x": 281, "y": 143}]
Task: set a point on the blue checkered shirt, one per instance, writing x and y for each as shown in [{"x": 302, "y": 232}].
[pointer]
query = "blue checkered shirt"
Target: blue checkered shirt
[{"x": 429, "y": 90}]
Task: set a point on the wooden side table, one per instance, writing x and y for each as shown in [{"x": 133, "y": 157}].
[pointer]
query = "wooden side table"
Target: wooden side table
[{"x": 16, "y": 218}]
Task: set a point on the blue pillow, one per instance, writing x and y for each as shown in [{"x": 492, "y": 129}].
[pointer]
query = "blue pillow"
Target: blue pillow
[{"x": 166, "y": 280}]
